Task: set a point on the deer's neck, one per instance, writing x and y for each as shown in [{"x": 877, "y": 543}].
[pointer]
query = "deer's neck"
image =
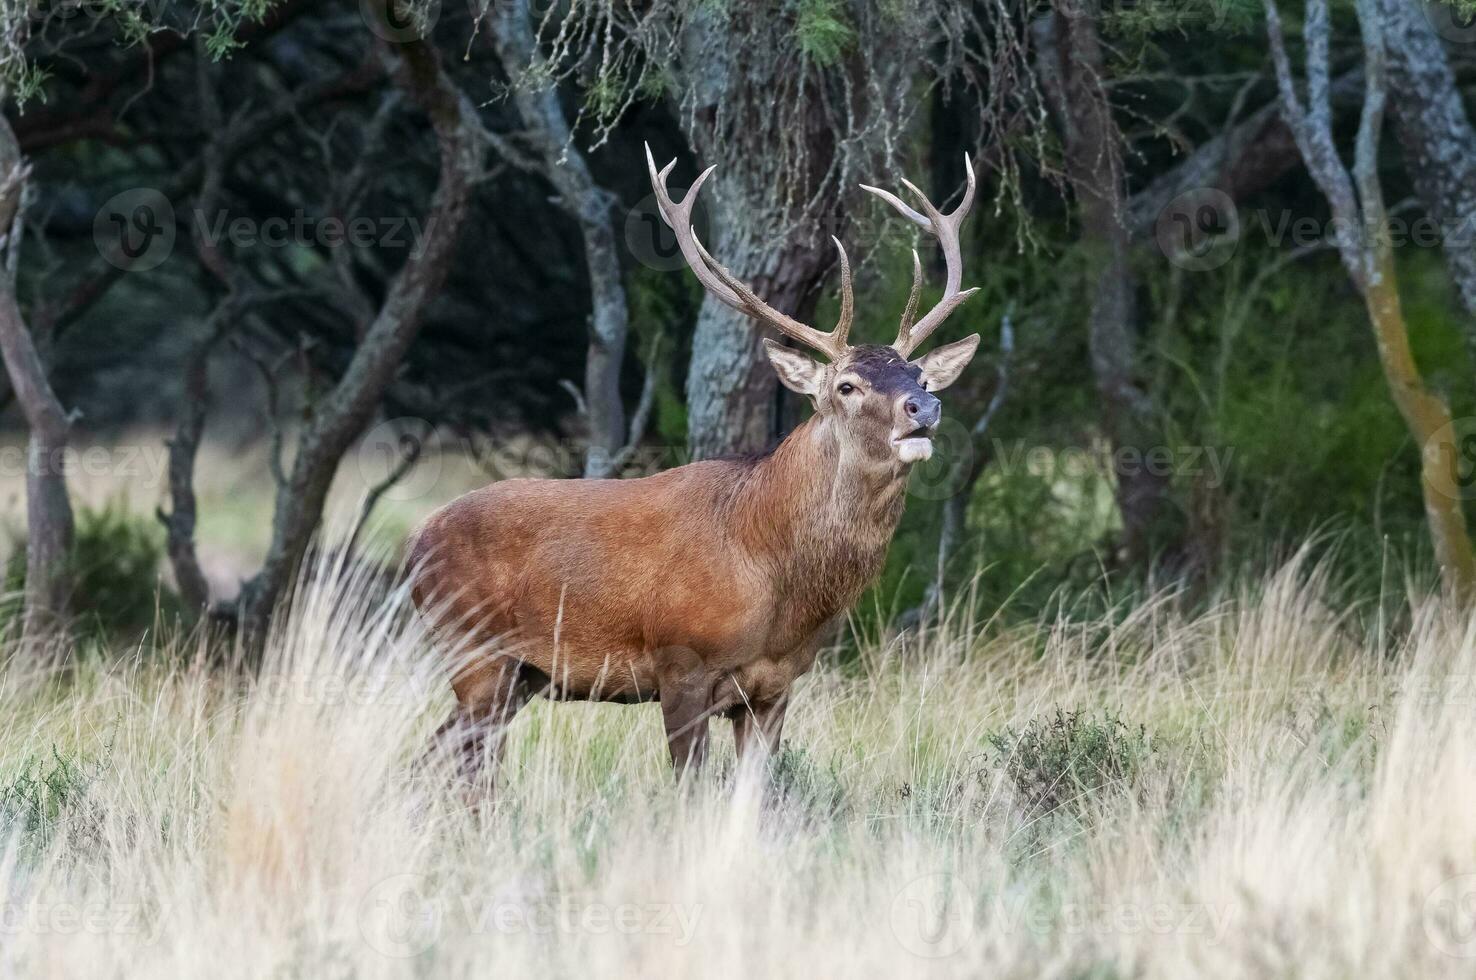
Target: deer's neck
[{"x": 821, "y": 515}]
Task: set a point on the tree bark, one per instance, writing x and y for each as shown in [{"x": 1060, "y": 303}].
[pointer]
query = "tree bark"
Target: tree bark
[
  {"x": 49, "y": 526},
  {"x": 343, "y": 413},
  {"x": 1073, "y": 72},
  {"x": 1439, "y": 143},
  {"x": 184, "y": 446},
  {"x": 1430, "y": 425}
]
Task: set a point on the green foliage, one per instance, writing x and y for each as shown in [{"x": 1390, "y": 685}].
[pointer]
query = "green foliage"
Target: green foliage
[
  {"x": 800, "y": 780},
  {"x": 43, "y": 797},
  {"x": 218, "y": 22},
  {"x": 822, "y": 31},
  {"x": 114, "y": 567},
  {"x": 656, "y": 300},
  {"x": 1070, "y": 758},
  {"x": 606, "y": 96},
  {"x": 1150, "y": 17}
]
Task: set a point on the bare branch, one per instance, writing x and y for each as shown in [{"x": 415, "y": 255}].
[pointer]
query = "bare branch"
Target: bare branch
[
  {"x": 581, "y": 407},
  {"x": 1370, "y": 127},
  {"x": 640, "y": 420},
  {"x": 1312, "y": 124},
  {"x": 411, "y": 451}
]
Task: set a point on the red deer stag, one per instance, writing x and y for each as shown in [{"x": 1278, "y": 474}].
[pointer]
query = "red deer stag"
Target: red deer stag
[{"x": 706, "y": 587}]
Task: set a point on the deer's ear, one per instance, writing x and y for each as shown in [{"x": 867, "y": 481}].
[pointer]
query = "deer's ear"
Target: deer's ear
[
  {"x": 941, "y": 367},
  {"x": 796, "y": 371}
]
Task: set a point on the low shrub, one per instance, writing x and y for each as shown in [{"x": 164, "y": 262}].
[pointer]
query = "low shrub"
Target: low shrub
[
  {"x": 115, "y": 572},
  {"x": 1071, "y": 758}
]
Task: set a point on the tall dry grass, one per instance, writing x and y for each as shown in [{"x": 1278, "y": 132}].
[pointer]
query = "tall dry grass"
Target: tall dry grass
[{"x": 1281, "y": 785}]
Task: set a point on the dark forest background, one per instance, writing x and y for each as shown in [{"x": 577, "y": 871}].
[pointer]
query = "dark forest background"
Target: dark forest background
[{"x": 1225, "y": 307}]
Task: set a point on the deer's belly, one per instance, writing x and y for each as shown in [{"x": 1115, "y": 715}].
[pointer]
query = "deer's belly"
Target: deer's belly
[
  {"x": 762, "y": 680},
  {"x": 574, "y": 672}
]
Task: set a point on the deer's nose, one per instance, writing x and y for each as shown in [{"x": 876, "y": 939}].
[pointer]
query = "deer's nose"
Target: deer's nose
[{"x": 923, "y": 409}]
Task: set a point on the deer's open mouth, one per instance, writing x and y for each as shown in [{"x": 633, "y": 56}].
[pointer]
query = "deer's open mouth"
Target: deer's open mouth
[{"x": 915, "y": 446}]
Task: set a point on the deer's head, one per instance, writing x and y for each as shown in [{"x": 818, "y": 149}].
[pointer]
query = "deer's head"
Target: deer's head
[{"x": 880, "y": 400}]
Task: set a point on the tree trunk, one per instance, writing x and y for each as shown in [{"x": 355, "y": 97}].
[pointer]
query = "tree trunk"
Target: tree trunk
[
  {"x": 732, "y": 392},
  {"x": 48, "y": 509},
  {"x": 1073, "y": 74},
  {"x": 343, "y": 413},
  {"x": 732, "y": 395},
  {"x": 1430, "y": 426},
  {"x": 1438, "y": 141},
  {"x": 179, "y": 523}
]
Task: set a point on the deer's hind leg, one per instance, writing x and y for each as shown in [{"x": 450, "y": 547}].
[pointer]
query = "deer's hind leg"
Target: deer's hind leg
[
  {"x": 488, "y": 696},
  {"x": 757, "y": 727}
]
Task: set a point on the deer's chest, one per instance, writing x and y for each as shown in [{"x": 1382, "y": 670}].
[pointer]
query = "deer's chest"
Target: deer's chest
[{"x": 821, "y": 584}]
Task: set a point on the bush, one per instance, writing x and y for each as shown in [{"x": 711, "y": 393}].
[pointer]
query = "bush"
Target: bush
[
  {"x": 802, "y": 782},
  {"x": 1070, "y": 759},
  {"x": 115, "y": 565},
  {"x": 44, "y": 796}
]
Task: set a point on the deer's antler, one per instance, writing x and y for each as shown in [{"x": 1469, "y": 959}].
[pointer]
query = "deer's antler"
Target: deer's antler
[
  {"x": 730, "y": 290},
  {"x": 944, "y": 227}
]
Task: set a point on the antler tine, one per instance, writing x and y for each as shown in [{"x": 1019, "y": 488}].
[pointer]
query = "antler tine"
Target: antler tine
[
  {"x": 909, "y": 312},
  {"x": 750, "y": 303},
  {"x": 945, "y": 228},
  {"x": 728, "y": 288},
  {"x": 848, "y": 299},
  {"x": 679, "y": 218},
  {"x": 900, "y": 206}
]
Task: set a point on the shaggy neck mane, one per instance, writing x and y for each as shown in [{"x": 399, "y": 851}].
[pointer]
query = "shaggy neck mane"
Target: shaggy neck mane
[{"x": 820, "y": 514}]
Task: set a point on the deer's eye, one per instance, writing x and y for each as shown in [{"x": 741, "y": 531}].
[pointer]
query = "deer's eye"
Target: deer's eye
[{"x": 846, "y": 388}]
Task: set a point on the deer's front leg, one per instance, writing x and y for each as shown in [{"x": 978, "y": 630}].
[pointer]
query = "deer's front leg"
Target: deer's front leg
[{"x": 686, "y": 705}]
